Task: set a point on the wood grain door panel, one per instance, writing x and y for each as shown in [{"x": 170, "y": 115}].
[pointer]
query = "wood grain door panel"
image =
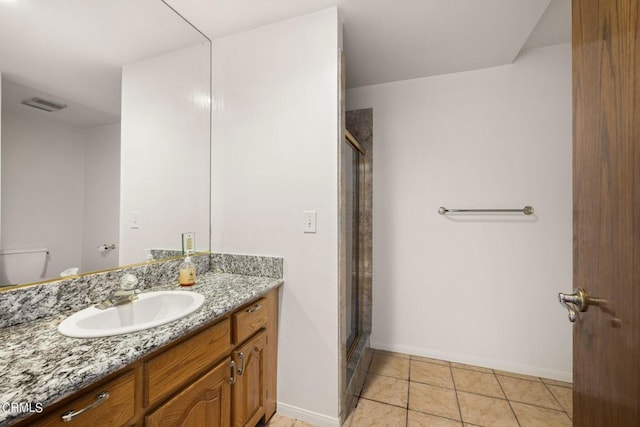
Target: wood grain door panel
[
  {"x": 206, "y": 402},
  {"x": 249, "y": 390},
  {"x": 606, "y": 101}
]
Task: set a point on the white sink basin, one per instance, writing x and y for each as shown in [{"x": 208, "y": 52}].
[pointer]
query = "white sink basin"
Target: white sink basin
[{"x": 149, "y": 310}]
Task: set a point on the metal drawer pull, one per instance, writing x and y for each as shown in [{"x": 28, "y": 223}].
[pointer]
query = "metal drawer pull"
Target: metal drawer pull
[
  {"x": 71, "y": 414},
  {"x": 232, "y": 379},
  {"x": 254, "y": 308},
  {"x": 241, "y": 368}
]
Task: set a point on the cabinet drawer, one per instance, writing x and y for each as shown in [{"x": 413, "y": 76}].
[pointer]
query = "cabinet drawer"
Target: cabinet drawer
[
  {"x": 249, "y": 320},
  {"x": 172, "y": 369},
  {"x": 115, "y": 410}
]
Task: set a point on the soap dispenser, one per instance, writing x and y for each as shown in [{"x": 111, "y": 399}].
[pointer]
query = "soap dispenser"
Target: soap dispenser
[{"x": 187, "y": 272}]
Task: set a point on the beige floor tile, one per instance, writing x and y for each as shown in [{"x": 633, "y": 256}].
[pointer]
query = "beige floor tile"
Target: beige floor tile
[
  {"x": 390, "y": 366},
  {"x": 430, "y": 360},
  {"x": 477, "y": 382},
  {"x": 556, "y": 382},
  {"x": 533, "y": 416},
  {"x": 433, "y": 400},
  {"x": 380, "y": 388},
  {"x": 280, "y": 421},
  {"x": 524, "y": 391},
  {"x": 374, "y": 414},
  {"x": 514, "y": 375},
  {"x": 391, "y": 353},
  {"x": 473, "y": 368},
  {"x": 430, "y": 373},
  {"x": 300, "y": 423},
  {"x": 564, "y": 396},
  {"x": 420, "y": 419},
  {"x": 485, "y": 411}
]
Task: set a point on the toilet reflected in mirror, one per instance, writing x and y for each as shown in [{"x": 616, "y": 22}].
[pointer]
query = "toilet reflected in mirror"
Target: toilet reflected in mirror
[{"x": 22, "y": 265}]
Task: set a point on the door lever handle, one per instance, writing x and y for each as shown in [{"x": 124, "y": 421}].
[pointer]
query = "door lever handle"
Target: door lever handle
[{"x": 578, "y": 301}]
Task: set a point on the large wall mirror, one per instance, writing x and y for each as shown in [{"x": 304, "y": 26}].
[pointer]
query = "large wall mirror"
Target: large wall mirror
[{"x": 105, "y": 136}]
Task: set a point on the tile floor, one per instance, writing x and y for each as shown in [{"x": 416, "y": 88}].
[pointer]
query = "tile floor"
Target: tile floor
[{"x": 411, "y": 391}]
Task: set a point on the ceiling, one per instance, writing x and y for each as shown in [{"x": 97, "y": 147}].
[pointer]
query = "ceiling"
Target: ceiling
[
  {"x": 74, "y": 50},
  {"x": 51, "y": 45},
  {"x": 554, "y": 27},
  {"x": 395, "y": 40}
]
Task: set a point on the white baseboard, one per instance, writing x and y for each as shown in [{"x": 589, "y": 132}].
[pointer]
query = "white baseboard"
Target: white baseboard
[
  {"x": 310, "y": 417},
  {"x": 478, "y": 361}
]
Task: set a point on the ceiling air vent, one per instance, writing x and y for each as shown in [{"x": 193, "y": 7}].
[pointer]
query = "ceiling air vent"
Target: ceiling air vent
[{"x": 44, "y": 104}]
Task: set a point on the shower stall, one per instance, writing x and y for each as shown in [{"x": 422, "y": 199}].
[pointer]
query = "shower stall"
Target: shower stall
[{"x": 356, "y": 191}]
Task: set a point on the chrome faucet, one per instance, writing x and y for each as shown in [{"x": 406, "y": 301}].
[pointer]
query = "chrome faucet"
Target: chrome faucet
[{"x": 126, "y": 294}]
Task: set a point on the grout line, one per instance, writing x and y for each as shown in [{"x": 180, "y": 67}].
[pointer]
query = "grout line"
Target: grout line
[
  {"x": 440, "y": 416},
  {"x": 564, "y": 385},
  {"x": 406, "y": 417},
  {"x": 455, "y": 391},
  {"x": 366, "y": 373},
  {"x": 508, "y": 401},
  {"x": 388, "y": 376},
  {"x": 383, "y": 403},
  {"x": 557, "y": 400},
  {"x": 435, "y": 361},
  {"x": 429, "y": 363},
  {"x": 538, "y": 406},
  {"x": 390, "y": 354},
  {"x": 463, "y": 391},
  {"x": 431, "y": 384},
  {"x": 473, "y": 370},
  {"x": 520, "y": 378}
]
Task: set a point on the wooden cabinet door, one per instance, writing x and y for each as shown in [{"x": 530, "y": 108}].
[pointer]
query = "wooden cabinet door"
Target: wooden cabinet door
[
  {"x": 249, "y": 391},
  {"x": 206, "y": 402}
]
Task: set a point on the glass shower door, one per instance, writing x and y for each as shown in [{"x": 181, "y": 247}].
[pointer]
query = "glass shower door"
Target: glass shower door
[{"x": 354, "y": 173}]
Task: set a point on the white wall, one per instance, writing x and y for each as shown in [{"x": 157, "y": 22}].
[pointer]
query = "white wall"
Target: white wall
[
  {"x": 0, "y": 158},
  {"x": 42, "y": 188},
  {"x": 275, "y": 153},
  {"x": 165, "y": 152},
  {"x": 101, "y": 196},
  {"x": 479, "y": 290}
]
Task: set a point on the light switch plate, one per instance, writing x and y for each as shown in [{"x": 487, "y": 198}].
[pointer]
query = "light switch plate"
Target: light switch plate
[
  {"x": 135, "y": 220},
  {"x": 309, "y": 221},
  {"x": 188, "y": 243}
]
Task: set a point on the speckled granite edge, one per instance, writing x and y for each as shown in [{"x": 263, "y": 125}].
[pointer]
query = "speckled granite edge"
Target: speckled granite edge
[
  {"x": 250, "y": 265},
  {"x": 165, "y": 253},
  {"x": 29, "y": 303},
  {"x": 38, "y": 365}
]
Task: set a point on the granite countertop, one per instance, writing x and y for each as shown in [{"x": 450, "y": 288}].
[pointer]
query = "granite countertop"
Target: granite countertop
[{"x": 38, "y": 365}]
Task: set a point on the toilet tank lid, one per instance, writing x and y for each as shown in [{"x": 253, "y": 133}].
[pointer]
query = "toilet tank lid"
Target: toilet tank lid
[{"x": 21, "y": 251}]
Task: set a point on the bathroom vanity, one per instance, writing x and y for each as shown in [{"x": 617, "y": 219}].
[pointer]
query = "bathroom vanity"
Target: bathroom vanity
[{"x": 216, "y": 366}]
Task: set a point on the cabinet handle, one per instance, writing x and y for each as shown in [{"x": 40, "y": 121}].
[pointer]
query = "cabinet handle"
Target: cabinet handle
[
  {"x": 254, "y": 308},
  {"x": 241, "y": 368},
  {"x": 71, "y": 414},
  {"x": 232, "y": 379}
]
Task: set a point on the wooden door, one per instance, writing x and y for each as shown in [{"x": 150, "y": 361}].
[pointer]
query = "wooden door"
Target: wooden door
[
  {"x": 606, "y": 101},
  {"x": 249, "y": 392},
  {"x": 206, "y": 402}
]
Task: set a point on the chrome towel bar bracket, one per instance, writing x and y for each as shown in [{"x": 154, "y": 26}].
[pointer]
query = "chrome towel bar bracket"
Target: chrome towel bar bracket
[{"x": 527, "y": 210}]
